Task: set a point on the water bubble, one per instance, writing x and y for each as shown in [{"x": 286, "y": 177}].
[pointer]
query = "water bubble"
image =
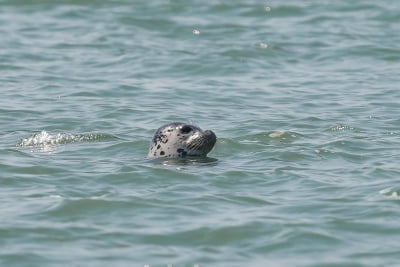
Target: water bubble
[
  {"x": 263, "y": 45},
  {"x": 196, "y": 32},
  {"x": 267, "y": 9}
]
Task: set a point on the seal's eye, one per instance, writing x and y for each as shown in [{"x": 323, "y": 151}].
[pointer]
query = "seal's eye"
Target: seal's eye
[{"x": 186, "y": 129}]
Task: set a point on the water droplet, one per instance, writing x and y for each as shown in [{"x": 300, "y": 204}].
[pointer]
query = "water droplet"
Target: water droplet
[
  {"x": 263, "y": 45},
  {"x": 196, "y": 32},
  {"x": 267, "y": 9}
]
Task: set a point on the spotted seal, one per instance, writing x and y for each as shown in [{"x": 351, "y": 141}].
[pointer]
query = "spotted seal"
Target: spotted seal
[{"x": 178, "y": 140}]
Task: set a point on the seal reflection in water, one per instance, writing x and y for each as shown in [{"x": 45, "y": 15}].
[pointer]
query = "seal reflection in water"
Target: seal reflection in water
[{"x": 178, "y": 140}]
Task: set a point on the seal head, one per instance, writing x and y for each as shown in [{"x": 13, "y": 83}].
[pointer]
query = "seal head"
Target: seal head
[{"x": 178, "y": 140}]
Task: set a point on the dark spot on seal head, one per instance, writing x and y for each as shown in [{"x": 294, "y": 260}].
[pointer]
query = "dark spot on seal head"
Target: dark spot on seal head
[
  {"x": 180, "y": 150},
  {"x": 162, "y": 153},
  {"x": 162, "y": 138},
  {"x": 186, "y": 129},
  {"x": 158, "y": 147}
]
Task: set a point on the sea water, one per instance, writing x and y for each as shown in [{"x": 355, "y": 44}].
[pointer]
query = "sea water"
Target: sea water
[{"x": 303, "y": 97}]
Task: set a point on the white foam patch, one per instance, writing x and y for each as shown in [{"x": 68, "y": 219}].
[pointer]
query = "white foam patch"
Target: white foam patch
[
  {"x": 56, "y": 196},
  {"x": 196, "y": 31},
  {"x": 43, "y": 139},
  {"x": 390, "y": 192},
  {"x": 276, "y": 134},
  {"x": 341, "y": 128}
]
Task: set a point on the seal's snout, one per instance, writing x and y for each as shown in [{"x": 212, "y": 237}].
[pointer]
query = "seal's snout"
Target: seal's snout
[
  {"x": 212, "y": 138},
  {"x": 211, "y": 133}
]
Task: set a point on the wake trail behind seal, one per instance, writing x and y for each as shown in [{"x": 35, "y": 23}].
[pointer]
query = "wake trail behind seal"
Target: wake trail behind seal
[{"x": 43, "y": 138}]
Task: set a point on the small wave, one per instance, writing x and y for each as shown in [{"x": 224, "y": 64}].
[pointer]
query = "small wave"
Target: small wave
[
  {"x": 207, "y": 161},
  {"x": 269, "y": 136},
  {"x": 276, "y": 134},
  {"x": 44, "y": 138},
  {"x": 390, "y": 193}
]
